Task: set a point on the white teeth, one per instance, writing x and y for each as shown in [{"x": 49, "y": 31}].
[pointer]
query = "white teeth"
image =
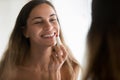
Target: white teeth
[{"x": 49, "y": 35}]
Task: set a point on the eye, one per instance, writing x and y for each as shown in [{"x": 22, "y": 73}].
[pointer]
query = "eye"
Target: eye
[
  {"x": 53, "y": 20},
  {"x": 38, "y": 22}
]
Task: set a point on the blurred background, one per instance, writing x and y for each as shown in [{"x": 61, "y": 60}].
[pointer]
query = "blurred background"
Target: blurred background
[{"x": 75, "y": 20}]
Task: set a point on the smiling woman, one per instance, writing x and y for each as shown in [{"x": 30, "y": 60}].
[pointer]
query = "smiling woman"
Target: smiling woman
[{"x": 33, "y": 52}]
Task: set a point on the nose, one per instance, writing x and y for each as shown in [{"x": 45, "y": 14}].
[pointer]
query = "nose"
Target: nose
[{"x": 48, "y": 26}]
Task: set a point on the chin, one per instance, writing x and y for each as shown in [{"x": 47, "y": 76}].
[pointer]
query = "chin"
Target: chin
[{"x": 52, "y": 44}]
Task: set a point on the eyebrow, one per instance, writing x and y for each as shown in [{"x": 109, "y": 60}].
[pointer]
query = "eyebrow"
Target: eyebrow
[
  {"x": 52, "y": 15},
  {"x": 42, "y": 17}
]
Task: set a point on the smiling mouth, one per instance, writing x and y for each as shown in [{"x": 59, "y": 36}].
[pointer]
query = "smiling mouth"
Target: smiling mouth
[{"x": 51, "y": 35}]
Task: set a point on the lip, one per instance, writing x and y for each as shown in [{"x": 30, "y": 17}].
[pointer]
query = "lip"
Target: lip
[{"x": 49, "y": 35}]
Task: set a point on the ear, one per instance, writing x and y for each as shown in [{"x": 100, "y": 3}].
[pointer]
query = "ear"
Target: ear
[{"x": 25, "y": 32}]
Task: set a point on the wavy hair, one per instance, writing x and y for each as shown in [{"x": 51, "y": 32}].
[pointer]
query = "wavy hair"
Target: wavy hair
[{"x": 18, "y": 45}]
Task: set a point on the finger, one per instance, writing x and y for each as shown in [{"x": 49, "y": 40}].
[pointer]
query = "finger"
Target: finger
[
  {"x": 64, "y": 51},
  {"x": 51, "y": 63},
  {"x": 51, "y": 59},
  {"x": 58, "y": 50},
  {"x": 54, "y": 64},
  {"x": 55, "y": 56},
  {"x": 59, "y": 58},
  {"x": 58, "y": 53}
]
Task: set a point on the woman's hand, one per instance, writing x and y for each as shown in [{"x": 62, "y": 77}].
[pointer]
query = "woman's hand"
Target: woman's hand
[{"x": 56, "y": 61}]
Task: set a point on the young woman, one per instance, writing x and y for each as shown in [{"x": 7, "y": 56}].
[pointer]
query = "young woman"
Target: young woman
[{"x": 33, "y": 52}]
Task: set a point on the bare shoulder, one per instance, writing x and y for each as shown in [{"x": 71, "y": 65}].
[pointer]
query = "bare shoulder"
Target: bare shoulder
[
  {"x": 66, "y": 74},
  {"x": 76, "y": 67}
]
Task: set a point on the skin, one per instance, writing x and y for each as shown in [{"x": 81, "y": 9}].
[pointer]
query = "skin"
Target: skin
[{"x": 43, "y": 63}]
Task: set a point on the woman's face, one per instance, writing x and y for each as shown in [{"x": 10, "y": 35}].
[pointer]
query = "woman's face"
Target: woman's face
[{"x": 42, "y": 26}]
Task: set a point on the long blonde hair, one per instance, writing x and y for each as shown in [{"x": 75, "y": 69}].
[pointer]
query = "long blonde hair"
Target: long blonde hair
[{"x": 18, "y": 45}]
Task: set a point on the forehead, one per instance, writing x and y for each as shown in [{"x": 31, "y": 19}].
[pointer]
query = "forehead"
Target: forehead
[{"x": 42, "y": 10}]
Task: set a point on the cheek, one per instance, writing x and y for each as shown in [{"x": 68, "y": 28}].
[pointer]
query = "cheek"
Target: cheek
[
  {"x": 58, "y": 29},
  {"x": 34, "y": 32},
  {"x": 56, "y": 26}
]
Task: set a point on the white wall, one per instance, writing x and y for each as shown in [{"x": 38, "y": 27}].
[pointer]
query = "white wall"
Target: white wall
[
  {"x": 75, "y": 19},
  {"x": 74, "y": 15},
  {"x": 9, "y": 10}
]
